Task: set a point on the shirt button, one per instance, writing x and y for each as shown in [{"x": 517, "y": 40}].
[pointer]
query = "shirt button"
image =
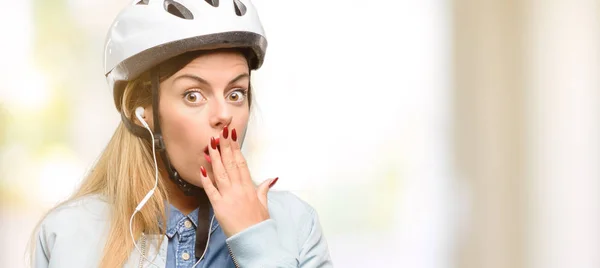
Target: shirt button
[
  {"x": 188, "y": 224},
  {"x": 185, "y": 256}
]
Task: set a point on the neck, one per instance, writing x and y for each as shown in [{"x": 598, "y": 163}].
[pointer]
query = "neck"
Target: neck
[{"x": 185, "y": 204}]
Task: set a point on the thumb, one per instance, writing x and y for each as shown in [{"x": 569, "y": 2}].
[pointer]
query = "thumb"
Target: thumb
[{"x": 263, "y": 190}]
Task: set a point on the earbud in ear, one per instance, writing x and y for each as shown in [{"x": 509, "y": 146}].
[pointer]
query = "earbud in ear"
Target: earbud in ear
[{"x": 139, "y": 113}]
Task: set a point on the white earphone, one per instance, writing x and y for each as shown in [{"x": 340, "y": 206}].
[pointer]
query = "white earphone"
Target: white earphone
[{"x": 139, "y": 113}]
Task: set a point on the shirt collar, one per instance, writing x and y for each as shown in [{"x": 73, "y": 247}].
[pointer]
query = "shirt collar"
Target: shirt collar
[{"x": 176, "y": 217}]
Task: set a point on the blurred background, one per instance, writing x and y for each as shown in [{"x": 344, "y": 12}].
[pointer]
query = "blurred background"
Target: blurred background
[{"x": 431, "y": 133}]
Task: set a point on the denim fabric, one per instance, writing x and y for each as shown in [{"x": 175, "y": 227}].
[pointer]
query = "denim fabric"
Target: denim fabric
[{"x": 181, "y": 232}]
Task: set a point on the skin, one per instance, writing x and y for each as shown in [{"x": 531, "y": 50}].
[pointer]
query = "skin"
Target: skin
[{"x": 207, "y": 99}]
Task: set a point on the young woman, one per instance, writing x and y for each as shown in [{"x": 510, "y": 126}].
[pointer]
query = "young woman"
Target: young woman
[{"x": 172, "y": 188}]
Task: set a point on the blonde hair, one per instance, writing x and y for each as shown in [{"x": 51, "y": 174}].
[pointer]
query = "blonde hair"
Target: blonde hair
[{"x": 124, "y": 173}]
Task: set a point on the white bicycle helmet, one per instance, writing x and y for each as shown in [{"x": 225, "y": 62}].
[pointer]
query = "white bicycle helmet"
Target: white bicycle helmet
[{"x": 149, "y": 32}]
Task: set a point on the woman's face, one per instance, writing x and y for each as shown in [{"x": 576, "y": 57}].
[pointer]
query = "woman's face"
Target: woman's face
[{"x": 196, "y": 103}]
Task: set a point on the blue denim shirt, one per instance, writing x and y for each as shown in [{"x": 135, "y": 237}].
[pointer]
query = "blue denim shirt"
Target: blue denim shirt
[{"x": 181, "y": 232}]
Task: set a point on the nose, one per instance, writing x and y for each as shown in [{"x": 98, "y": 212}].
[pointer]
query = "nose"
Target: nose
[{"x": 220, "y": 114}]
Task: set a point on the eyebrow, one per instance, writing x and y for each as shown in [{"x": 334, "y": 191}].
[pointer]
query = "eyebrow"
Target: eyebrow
[{"x": 203, "y": 81}]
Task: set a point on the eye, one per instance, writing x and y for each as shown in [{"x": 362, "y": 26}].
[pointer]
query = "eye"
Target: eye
[
  {"x": 238, "y": 95},
  {"x": 193, "y": 96}
]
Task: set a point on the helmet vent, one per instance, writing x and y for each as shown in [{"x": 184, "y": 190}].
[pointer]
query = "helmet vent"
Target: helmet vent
[
  {"x": 240, "y": 8},
  {"x": 214, "y": 3},
  {"x": 178, "y": 10},
  {"x": 143, "y": 2}
]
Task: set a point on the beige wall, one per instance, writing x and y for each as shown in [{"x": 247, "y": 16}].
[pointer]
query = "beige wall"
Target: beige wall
[
  {"x": 527, "y": 132},
  {"x": 489, "y": 91}
]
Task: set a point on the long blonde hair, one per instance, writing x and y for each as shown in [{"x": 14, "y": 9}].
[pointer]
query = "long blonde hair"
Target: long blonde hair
[{"x": 124, "y": 173}]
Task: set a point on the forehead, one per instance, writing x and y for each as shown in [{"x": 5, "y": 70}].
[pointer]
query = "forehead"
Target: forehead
[{"x": 215, "y": 62}]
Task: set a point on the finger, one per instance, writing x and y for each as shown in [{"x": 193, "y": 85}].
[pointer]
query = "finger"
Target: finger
[
  {"x": 219, "y": 173},
  {"x": 263, "y": 190},
  {"x": 209, "y": 188},
  {"x": 227, "y": 157},
  {"x": 240, "y": 161}
]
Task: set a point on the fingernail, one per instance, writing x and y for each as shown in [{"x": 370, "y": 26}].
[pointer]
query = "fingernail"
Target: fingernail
[
  {"x": 233, "y": 135},
  {"x": 203, "y": 171},
  {"x": 225, "y": 132},
  {"x": 273, "y": 182},
  {"x": 213, "y": 143}
]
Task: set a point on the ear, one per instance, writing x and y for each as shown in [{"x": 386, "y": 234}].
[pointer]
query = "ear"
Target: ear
[{"x": 145, "y": 114}]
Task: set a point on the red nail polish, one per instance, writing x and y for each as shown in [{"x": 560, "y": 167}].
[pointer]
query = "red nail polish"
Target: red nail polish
[
  {"x": 225, "y": 132},
  {"x": 203, "y": 171},
  {"x": 273, "y": 182},
  {"x": 213, "y": 143},
  {"x": 233, "y": 135}
]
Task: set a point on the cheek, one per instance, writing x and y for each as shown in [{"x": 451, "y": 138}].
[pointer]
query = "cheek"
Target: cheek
[
  {"x": 240, "y": 123},
  {"x": 181, "y": 131},
  {"x": 182, "y": 135},
  {"x": 242, "y": 115}
]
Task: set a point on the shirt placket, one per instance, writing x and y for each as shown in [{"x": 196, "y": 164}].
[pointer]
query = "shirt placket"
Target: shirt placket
[{"x": 185, "y": 249}]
